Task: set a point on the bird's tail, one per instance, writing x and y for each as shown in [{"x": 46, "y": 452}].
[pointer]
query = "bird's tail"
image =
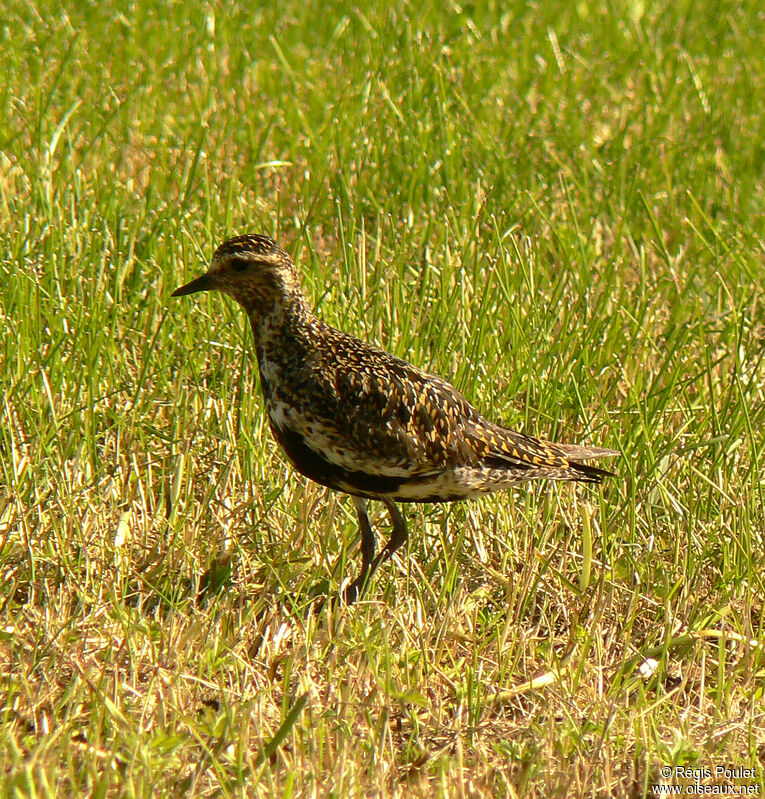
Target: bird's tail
[
  {"x": 585, "y": 453},
  {"x": 583, "y": 472}
]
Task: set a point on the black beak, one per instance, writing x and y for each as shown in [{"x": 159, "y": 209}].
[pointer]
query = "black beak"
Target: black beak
[{"x": 203, "y": 283}]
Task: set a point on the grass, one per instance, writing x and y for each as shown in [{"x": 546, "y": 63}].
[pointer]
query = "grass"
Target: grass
[{"x": 559, "y": 207}]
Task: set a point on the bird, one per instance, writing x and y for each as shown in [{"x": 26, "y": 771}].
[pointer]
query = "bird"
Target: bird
[{"x": 350, "y": 416}]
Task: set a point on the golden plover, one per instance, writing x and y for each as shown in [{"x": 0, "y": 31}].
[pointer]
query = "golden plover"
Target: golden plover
[{"x": 352, "y": 417}]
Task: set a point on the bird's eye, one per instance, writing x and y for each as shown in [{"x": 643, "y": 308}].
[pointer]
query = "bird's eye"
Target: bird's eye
[{"x": 239, "y": 264}]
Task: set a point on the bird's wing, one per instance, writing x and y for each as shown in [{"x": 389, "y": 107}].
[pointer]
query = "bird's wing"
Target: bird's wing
[
  {"x": 375, "y": 415},
  {"x": 385, "y": 417}
]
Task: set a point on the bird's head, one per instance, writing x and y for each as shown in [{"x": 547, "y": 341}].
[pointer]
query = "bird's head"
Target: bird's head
[{"x": 252, "y": 269}]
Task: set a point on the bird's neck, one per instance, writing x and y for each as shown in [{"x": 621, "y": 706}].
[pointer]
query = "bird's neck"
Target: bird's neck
[
  {"x": 286, "y": 319},
  {"x": 285, "y": 341}
]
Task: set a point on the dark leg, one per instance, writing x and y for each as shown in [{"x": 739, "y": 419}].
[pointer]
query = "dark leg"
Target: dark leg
[
  {"x": 354, "y": 590},
  {"x": 397, "y": 539},
  {"x": 369, "y": 562}
]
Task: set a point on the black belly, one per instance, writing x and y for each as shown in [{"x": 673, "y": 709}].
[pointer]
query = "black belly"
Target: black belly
[{"x": 315, "y": 467}]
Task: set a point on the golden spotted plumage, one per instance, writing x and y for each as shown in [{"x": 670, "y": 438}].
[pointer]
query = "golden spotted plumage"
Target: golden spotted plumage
[{"x": 355, "y": 418}]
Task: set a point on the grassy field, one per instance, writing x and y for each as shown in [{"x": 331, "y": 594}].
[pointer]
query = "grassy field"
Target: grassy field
[{"x": 557, "y": 206}]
